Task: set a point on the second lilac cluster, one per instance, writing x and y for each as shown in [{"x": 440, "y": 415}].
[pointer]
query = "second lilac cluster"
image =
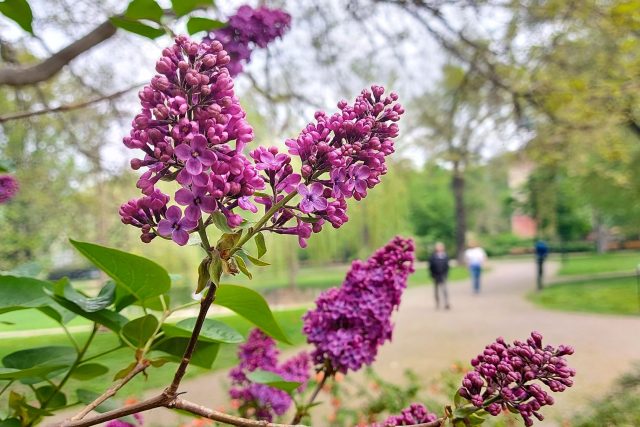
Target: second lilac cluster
[
  {"x": 250, "y": 28},
  {"x": 350, "y": 323},
  {"x": 341, "y": 156},
  {"x": 258, "y": 400},
  {"x": 416, "y": 413},
  {"x": 511, "y": 377}
]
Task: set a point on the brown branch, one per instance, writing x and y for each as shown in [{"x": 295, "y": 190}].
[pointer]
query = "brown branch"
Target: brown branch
[
  {"x": 67, "y": 107},
  {"x": 140, "y": 367},
  {"x": 191, "y": 346},
  {"x": 221, "y": 416},
  {"x": 437, "y": 423},
  {"x": 145, "y": 405},
  {"x": 20, "y": 76}
]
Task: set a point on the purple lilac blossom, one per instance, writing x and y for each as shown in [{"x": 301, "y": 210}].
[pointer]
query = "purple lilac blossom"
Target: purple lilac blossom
[
  {"x": 350, "y": 323},
  {"x": 416, "y": 413},
  {"x": 8, "y": 188},
  {"x": 508, "y": 376},
  {"x": 192, "y": 130},
  {"x": 258, "y": 400},
  {"x": 123, "y": 423},
  {"x": 342, "y": 156},
  {"x": 247, "y": 29}
]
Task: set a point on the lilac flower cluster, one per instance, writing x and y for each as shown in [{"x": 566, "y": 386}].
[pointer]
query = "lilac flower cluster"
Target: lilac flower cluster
[
  {"x": 258, "y": 400},
  {"x": 191, "y": 129},
  {"x": 8, "y": 188},
  {"x": 416, "y": 413},
  {"x": 506, "y": 377},
  {"x": 342, "y": 156},
  {"x": 350, "y": 323},
  {"x": 250, "y": 28}
]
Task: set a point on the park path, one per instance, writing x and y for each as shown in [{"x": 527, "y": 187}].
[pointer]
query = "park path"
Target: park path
[{"x": 428, "y": 341}]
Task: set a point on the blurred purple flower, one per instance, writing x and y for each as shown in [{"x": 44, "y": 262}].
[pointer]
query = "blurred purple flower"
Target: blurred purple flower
[
  {"x": 8, "y": 188},
  {"x": 247, "y": 29}
]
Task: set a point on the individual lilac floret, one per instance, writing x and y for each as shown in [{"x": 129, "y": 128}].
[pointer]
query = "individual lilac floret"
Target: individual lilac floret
[
  {"x": 191, "y": 129},
  {"x": 341, "y": 156},
  {"x": 258, "y": 400},
  {"x": 8, "y": 188},
  {"x": 350, "y": 323},
  {"x": 247, "y": 29},
  {"x": 175, "y": 226},
  {"x": 416, "y": 413},
  {"x": 509, "y": 376}
]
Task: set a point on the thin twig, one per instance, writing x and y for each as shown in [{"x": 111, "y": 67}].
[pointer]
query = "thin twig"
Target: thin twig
[
  {"x": 140, "y": 367},
  {"x": 67, "y": 107},
  {"x": 301, "y": 412}
]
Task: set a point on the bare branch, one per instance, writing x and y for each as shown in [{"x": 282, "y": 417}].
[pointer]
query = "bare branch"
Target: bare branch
[
  {"x": 221, "y": 416},
  {"x": 67, "y": 107},
  {"x": 191, "y": 346},
  {"x": 20, "y": 76},
  {"x": 140, "y": 367}
]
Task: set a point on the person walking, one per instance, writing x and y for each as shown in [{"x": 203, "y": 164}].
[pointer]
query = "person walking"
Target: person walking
[
  {"x": 542, "y": 250},
  {"x": 439, "y": 270},
  {"x": 475, "y": 258}
]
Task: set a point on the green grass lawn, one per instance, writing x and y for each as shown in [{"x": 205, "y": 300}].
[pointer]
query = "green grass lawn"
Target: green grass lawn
[
  {"x": 601, "y": 263},
  {"x": 612, "y": 296},
  {"x": 328, "y": 276},
  {"x": 290, "y": 321}
]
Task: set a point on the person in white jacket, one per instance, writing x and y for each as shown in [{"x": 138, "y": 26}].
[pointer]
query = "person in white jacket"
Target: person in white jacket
[{"x": 475, "y": 258}]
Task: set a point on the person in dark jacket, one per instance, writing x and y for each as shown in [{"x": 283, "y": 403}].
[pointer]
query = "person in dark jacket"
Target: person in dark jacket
[
  {"x": 542, "y": 251},
  {"x": 439, "y": 270}
]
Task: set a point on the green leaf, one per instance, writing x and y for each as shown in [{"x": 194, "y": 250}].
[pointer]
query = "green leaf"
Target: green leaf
[
  {"x": 58, "y": 313},
  {"x": 252, "y": 306},
  {"x": 90, "y": 305},
  {"x": 49, "y": 394},
  {"x": 203, "y": 275},
  {"x": 10, "y": 422},
  {"x": 256, "y": 261},
  {"x": 203, "y": 356},
  {"x": 37, "y": 363},
  {"x": 272, "y": 380},
  {"x": 458, "y": 401},
  {"x": 39, "y": 372},
  {"x": 137, "y": 27},
  {"x": 40, "y": 356},
  {"x": 212, "y": 331},
  {"x": 17, "y": 293},
  {"x": 182, "y": 7},
  {"x": 139, "y": 330},
  {"x": 260, "y": 244},
  {"x": 18, "y": 11},
  {"x": 124, "y": 371},
  {"x": 242, "y": 266},
  {"x": 144, "y": 9},
  {"x": 107, "y": 318},
  {"x": 89, "y": 371},
  {"x": 220, "y": 221},
  {"x": 197, "y": 24},
  {"x": 139, "y": 276},
  {"x": 215, "y": 270}
]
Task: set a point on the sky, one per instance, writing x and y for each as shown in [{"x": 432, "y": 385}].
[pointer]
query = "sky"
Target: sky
[{"x": 385, "y": 46}]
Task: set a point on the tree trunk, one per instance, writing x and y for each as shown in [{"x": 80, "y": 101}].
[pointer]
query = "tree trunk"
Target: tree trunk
[{"x": 457, "y": 185}]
